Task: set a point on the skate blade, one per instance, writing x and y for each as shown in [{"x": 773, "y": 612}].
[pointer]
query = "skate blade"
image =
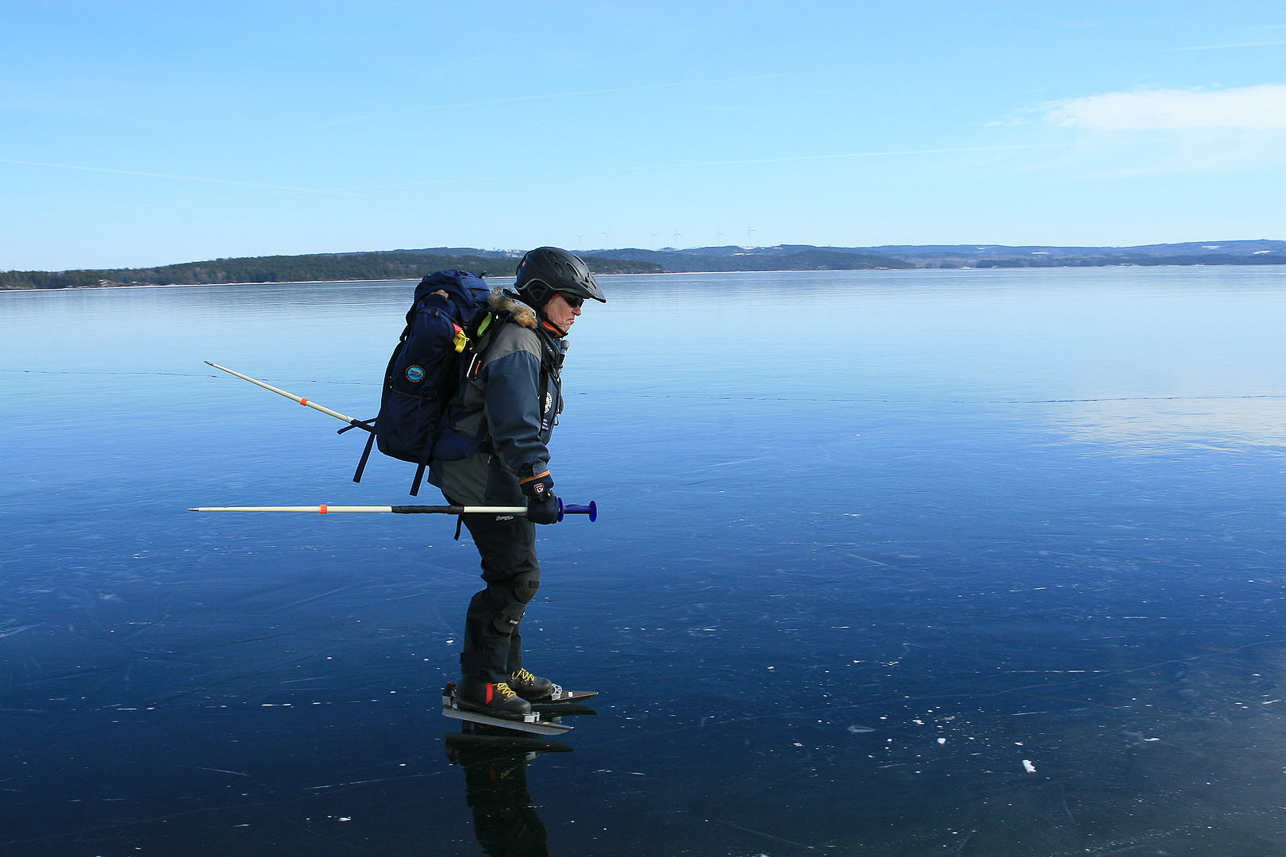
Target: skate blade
[
  {"x": 561, "y": 709},
  {"x": 561, "y": 696},
  {"x": 531, "y": 723},
  {"x": 476, "y": 741}
]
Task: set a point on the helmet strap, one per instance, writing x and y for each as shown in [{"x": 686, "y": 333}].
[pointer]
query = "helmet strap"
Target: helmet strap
[{"x": 549, "y": 325}]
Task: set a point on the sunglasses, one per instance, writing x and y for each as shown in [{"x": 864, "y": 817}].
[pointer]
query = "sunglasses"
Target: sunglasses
[{"x": 573, "y": 301}]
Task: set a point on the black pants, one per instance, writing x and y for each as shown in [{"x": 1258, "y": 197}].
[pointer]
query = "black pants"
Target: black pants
[{"x": 492, "y": 625}]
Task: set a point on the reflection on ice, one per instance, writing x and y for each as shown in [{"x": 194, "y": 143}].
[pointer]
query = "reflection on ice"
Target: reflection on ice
[{"x": 1159, "y": 424}]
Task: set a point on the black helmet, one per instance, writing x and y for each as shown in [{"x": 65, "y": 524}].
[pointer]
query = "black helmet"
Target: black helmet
[{"x": 547, "y": 270}]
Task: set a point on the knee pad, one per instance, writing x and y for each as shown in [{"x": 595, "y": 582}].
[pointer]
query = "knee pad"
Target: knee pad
[
  {"x": 515, "y": 593},
  {"x": 525, "y": 585}
]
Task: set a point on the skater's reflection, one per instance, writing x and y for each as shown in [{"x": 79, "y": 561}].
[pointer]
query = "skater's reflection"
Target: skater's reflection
[{"x": 495, "y": 776}]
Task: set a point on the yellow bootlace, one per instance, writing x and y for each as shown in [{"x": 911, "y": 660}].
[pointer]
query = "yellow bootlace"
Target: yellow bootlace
[
  {"x": 523, "y": 675},
  {"x": 504, "y": 690}
]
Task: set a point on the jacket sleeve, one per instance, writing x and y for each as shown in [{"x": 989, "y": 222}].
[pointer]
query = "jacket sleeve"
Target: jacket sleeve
[{"x": 513, "y": 411}]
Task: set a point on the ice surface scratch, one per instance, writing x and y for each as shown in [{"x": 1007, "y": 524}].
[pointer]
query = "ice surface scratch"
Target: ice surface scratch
[
  {"x": 345, "y": 785},
  {"x": 310, "y": 600},
  {"x": 767, "y": 836}
]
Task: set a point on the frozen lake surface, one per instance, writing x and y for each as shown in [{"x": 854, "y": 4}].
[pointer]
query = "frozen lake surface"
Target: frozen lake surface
[{"x": 888, "y": 563}]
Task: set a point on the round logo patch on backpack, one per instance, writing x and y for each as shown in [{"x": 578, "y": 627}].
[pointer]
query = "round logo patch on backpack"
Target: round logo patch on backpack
[{"x": 415, "y": 373}]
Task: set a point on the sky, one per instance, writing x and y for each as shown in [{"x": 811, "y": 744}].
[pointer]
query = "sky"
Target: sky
[{"x": 135, "y": 134}]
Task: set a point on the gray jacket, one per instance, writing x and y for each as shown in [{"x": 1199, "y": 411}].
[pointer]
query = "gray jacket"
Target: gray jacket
[{"x": 509, "y": 399}]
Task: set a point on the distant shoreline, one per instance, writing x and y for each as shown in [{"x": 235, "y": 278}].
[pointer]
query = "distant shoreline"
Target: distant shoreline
[
  {"x": 413, "y": 264},
  {"x": 987, "y": 268}
]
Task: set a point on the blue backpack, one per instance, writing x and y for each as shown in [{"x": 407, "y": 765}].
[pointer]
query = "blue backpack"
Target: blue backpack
[{"x": 450, "y": 312}]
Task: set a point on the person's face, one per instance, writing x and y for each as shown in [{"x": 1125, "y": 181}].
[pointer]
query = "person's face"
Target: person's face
[{"x": 562, "y": 311}]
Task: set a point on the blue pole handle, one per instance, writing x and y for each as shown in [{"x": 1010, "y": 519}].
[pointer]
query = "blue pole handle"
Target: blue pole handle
[{"x": 565, "y": 509}]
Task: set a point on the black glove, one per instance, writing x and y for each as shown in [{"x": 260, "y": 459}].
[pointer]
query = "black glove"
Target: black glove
[{"x": 542, "y": 505}]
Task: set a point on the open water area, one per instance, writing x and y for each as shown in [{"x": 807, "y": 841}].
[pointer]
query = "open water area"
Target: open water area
[{"x": 887, "y": 563}]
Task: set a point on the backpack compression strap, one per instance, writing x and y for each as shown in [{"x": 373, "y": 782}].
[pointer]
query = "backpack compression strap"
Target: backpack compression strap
[{"x": 366, "y": 453}]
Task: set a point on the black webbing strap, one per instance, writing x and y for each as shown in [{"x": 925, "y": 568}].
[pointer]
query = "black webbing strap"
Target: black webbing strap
[
  {"x": 369, "y": 425},
  {"x": 425, "y": 455}
]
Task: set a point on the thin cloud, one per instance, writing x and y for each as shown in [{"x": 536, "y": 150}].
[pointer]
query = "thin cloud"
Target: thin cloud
[
  {"x": 894, "y": 153},
  {"x": 1228, "y": 46},
  {"x": 1246, "y": 108},
  {"x": 1262, "y": 36},
  {"x": 544, "y": 97},
  {"x": 738, "y": 162},
  {"x": 201, "y": 179}
]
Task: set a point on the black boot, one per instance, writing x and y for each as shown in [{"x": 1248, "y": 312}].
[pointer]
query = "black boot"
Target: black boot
[
  {"x": 530, "y": 687},
  {"x": 484, "y": 697}
]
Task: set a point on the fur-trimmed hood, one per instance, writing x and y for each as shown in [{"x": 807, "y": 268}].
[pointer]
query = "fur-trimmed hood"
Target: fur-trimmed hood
[{"x": 503, "y": 301}]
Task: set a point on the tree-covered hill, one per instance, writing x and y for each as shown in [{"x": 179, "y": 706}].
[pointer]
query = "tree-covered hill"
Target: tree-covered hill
[
  {"x": 803, "y": 257},
  {"x": 790, "y": 258},
  {"x": 412, "y": 264},
  {"x": 383, "y": 265},
  {"x": 1252, "y": 252}
]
